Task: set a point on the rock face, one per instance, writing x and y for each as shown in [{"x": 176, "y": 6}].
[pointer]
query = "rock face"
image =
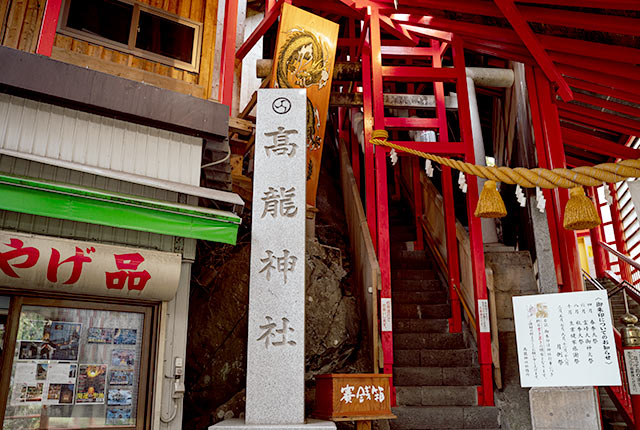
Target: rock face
[{"x": 216, "y": 350}]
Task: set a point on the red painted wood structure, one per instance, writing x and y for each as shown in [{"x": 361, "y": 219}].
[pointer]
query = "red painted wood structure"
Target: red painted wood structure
[{"x": 583, "y": 98}]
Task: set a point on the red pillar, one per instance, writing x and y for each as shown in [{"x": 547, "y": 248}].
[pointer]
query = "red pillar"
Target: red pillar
[
  {"x": 621, "y": 244},
  {"x": 596, "y": 234},
  {"x": 369, "y": 175},
  {"x": 382, "y": 204},
  {"x": 228, "y": 56},
  {"x": 481, "y": 301},
  {"x": 48, "y": 29},
  {"x": 550, "y": 150}
]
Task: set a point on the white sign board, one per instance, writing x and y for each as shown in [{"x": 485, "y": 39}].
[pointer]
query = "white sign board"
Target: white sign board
[
  {"x": 79, "y": 267},
  {"x": 275, "y": 345},
  {"x": 632, "y": 363},
  {"x": 565, "y": 340}
]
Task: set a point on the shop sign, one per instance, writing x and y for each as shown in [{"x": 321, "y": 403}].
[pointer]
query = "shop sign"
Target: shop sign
[
  {"x": 565, "y": 340},
  {"x": 88, "y": 268}
]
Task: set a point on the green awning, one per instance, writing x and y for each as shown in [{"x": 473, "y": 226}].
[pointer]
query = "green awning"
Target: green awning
[{"x": 55, "y": 200}]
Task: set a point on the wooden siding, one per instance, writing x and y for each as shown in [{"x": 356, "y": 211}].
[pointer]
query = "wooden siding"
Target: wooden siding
[{"x": 25, "y": 19}]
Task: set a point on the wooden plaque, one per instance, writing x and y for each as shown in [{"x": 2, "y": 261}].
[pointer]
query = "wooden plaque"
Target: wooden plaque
[
  {"x": 304, "y": 58},
  {"x": 353, "y": 397}
]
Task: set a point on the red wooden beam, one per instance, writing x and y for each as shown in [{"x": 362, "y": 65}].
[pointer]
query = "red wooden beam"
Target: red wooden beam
[
  {"x": 228, "y": 57},
  {"x": 583, "y": 20},
  {"x": 440, "y": 148},
  {"x": 339, "y": 9},
  {"x": 598, "y": 145},
  {"x": 608, "y": 104},
  {"x": 603, "y": 90},
  {"x": 266, "y": 23},
  {"x": 587, "y": 49},
  {"x": 601, "y": 78},
  {"x": 445, "y": 36},
  {"x": 585, "y": 121},
  {"x": 613, "y": 122},
  {"x": 618, "y": 4},
  {"x": 411, "y": 123},
  {"x": 48, "y": 29},
  {"x": 396, "y": 30},
  {"x": 521, "y": 27},
  {"x": 616, "y": 68}
]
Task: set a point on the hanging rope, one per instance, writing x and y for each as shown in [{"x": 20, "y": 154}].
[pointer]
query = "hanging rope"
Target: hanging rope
[{"x": 577, "y": 216}]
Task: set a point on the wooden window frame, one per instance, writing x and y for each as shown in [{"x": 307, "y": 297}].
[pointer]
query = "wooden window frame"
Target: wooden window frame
[
  {"x": 148, "y": 353},
  {"x": 130, "y": 48}
]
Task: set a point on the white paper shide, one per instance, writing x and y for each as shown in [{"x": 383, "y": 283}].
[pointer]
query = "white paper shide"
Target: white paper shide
[{"x": 565, "y": 340}]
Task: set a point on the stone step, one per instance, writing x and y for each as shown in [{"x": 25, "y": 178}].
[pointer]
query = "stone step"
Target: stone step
[
  {"x": 445, "y": 417},
  {"x": 402, "y": 259},
  {"x": 426, "y": 297},
  {"x": 437, "y": 396},
  {"x": 420, "y": 326},
  {"x": 434, "y": 357},
  {"x": 414, "y": 274},
  {"x": 618, "y": 426},
  {"x": 403, "y": 310},
  {"x": 420, "y": 376},
  {"x": 428, "y": 341},
  {"x": 417, "y": 285}
]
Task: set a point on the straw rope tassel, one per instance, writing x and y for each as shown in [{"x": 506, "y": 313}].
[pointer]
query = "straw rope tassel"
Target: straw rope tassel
[
  {"x": 580, "y": 208},
  {"x": 490, "y": 204}
]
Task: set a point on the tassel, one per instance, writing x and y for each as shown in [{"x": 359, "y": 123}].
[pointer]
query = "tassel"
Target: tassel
[
  {"x": 490, "y": 204},
  {"x": 580, "y": 214}
]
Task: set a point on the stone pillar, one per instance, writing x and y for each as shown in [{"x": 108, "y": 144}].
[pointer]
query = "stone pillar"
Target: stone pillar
[{"x": 275, "y": 343}]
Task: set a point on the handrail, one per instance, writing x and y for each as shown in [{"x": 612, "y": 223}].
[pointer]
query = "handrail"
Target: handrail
[
  {"x": 445, "y": 271},
  {"x": 620, "y": 255}
]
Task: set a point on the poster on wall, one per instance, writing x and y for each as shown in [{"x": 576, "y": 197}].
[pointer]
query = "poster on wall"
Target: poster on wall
[
  {"x": 121, "y": 377},
  {"x": 57, "y": 341},
  {"x": 125, "y": 336},
  {"x": 119, "y": 397},
  {"x": 565, "y": 339},
  {"x": 123, "y": 357},
  {"x": 91, "y": 383},
  {"x": 118, "y": 416},
  {"x": 99, "y": 335},
  {"x": 61, "y": 382}
]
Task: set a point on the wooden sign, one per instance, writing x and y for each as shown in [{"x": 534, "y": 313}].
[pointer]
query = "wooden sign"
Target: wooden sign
[
  {"x": 304, "y": 57},
  {"x": 353, "y": 397}
]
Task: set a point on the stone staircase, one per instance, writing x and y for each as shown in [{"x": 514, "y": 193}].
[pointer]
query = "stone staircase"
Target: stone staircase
[{"x": 436, "y": 374}]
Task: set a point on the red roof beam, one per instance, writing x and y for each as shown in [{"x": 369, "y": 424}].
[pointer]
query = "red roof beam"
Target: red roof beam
[
  {"x": 521, "y": 27},
  {"x": 586, "y": 21},
  {"x": 598, "y": 145},
  {"x": 601, "y": 78},
  {"x": 418, "y": 74},
  {"x": 408, "y": 52},
  {"x": 600, "y": 89},
  {"x": 608, "y": 104},
  {"x": 591, "y": 49},
  {"x": 618, "y": 4},
  {"x": 478, "y": 46},
  {"x": 613, "y": 122},
  {"x": 397, "y": 31},
  {"x": 590, "y": 122},
  {"x": 623, "y": 70}
]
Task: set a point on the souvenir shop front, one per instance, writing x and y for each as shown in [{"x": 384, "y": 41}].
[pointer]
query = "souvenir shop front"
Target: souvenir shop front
[{"x": 93, "y": 333}]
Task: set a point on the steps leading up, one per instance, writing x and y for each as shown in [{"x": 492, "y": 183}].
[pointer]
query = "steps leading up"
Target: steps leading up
[{"x": 436, "y": 373}]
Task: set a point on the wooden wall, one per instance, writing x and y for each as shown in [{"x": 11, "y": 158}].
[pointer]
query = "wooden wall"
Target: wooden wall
[{"x": 25, "y": 18}]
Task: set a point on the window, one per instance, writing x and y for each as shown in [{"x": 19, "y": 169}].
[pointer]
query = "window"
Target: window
[
  {"x": 134, "y": 28},
  {"x": 76, "y": 365}
]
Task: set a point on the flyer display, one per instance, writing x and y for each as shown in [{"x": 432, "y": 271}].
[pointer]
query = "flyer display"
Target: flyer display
[
  {"x": 82, "y": 365},
  {"x": 565, "y": 340}
]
